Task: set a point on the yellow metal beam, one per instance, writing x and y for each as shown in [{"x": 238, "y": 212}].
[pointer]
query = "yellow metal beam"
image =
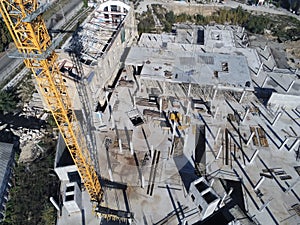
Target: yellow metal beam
[{"x": 33, "y": 37}]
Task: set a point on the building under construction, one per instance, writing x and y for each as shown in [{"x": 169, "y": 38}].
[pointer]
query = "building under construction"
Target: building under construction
[
  {"x": 196, "y": 127},
  {"x": 192, "y": 127}
]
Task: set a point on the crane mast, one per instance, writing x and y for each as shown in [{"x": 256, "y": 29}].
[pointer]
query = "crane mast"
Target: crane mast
[{"x": 29, "y": 32}]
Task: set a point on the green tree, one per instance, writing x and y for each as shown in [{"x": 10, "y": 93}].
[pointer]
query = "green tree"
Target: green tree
[
  {"x": 170, "y": 17},
  {"x": 26, "y": 90},
  {"x": 5, "y": 37},
  {"x": 48, "y": 215},
  {"x": 257, "y": 24},
  {"x": 8, "y": 102},
  {"x": 85, "y": 3}
]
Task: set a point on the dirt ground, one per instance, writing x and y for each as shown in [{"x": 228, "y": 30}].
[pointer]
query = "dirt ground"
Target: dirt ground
[{"x": 293, "y": 53}]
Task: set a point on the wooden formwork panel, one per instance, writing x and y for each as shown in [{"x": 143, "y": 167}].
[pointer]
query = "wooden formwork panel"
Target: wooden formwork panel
[
  {"x": 254, "y": 139},
  {"x": 262, "y": 137}
]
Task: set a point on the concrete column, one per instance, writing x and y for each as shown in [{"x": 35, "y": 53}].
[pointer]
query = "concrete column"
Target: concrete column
[
  {"x": 259, "y": 69},
  {"x": 139, "y": 81},
  {"x": 293, "y": 185},
  {"x": 254, "y": 156},
  {"x": 151, "y": 151},
  {"x": 185, "y": 141},
  {"x": 110, "y": 174},
  {"x": 160, "y": 104},
  {"x": 134, "y": 102},
  {"x": 243, "y": 37},
  {"x": 221, "y": 203},
  {"x": 131, "y": 147},
  {"x": 290, "y": 86},
  {"x": 276, "y": 118},
  {"x": 261, "y": 180},
  {"x": 230, "y": 191},
  {"x": 265, "y": 205},
  {"x": 188, "y": 106},
  {"x": 189, "y": 90},
  {"x": 269, "y": 56},
  {"x": 243, "y": 95},
  {"x": 216, "y": 112},
  {"x": 283, "y": 144},
  {"x": 265, "y": 81},
  {"x": 174, "y": 131},
  {"x": 250, "y": 138},
  {"x": 112, "y": 121},
  {"x": 143, "y": 181},
  {"x": 54, "y": 204},
  {"x": 217, "y": 134},
  {"x": 184, "y": 222},
  {"x": 215, "y": 93},
  {"x": 120, "y": 145},
  {"x": 219, "y": 153},
  {"x": 294, "y": 145},
  {"x": 246, "y": 114}
]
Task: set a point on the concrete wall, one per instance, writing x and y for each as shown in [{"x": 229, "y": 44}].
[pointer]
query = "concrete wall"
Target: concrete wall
[
  {"x": 110, "y": 62},
  {"x": 72, "y": 198},
  {"x": 288, "y": 101},
  {"x": 199, "y": 189},
  {"x": 62, "y": 172}
]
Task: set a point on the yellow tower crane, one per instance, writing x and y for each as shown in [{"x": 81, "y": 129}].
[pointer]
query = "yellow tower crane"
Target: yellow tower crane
[
  {"x": 29, "y": 32},
  {"x": 30, "y": 35}
]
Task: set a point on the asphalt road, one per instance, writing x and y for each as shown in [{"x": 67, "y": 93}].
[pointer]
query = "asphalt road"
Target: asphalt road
[{"x": 8, "y": 65}]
